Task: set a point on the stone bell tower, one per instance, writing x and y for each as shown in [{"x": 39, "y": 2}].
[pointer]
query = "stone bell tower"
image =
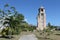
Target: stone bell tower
[{"x": 41, "y": 19}]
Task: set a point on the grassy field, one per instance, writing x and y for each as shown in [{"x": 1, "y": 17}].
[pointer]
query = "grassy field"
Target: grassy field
[
  {"x": 15, "y": 37},
  {"x": 53, "y": 36}
]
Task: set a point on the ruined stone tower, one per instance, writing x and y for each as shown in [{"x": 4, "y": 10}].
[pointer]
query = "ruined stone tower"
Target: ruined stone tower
[{"x": 41, "y": 19}]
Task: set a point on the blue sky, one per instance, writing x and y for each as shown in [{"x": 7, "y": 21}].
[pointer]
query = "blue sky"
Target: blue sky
[{"x": 29, "y": 8}]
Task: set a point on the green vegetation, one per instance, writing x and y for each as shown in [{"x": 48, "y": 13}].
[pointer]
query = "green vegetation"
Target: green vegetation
[
  {"x": 50, "y": 33},
  {"x": 13, "y": 22}
]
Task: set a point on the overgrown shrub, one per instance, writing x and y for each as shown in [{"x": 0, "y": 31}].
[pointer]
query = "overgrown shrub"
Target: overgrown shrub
[{"x": 6, "y": 31}]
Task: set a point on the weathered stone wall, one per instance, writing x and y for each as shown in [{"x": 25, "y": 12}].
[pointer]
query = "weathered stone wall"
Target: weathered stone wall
[{"x": 41, "y": 21}]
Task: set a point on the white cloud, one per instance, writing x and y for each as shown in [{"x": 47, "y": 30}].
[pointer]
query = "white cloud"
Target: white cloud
[{"x": 25, "y": 20}]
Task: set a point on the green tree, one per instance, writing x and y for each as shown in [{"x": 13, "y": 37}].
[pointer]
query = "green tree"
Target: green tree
[
  {"x": 49, "y": 24},
  {"x": 12, "y": 18}
]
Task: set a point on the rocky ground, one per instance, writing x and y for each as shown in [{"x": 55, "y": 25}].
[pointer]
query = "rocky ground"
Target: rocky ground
[{"x": 35, "y": 36}]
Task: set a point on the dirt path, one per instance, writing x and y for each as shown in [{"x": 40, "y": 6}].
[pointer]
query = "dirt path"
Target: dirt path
[{"x": 28, "y": 37}]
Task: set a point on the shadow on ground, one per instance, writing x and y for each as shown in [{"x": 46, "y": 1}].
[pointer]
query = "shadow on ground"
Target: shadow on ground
[{"x": 7, "y": 37}]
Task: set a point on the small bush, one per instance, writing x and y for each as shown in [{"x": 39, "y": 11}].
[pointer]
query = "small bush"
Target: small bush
[{"x": 6, "y": 31}]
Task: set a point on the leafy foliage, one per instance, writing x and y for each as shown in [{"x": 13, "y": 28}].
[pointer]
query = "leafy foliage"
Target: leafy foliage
[{"x": 13, "y": 21}]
